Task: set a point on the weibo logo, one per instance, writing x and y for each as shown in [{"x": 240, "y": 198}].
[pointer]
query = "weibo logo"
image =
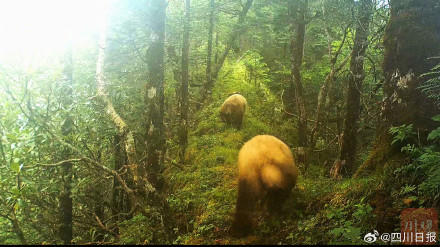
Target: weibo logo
[{"x": 371, "y": 237}]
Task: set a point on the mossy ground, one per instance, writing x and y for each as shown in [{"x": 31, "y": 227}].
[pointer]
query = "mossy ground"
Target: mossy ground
[{"x": 319, "y": 210}]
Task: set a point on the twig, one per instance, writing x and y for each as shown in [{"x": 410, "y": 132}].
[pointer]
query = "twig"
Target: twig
[
  {"x": 283, "y": 107},
  {"x": 295, "y": 115},
  {"x": 174, "y": 163},
  {"x": 102, "y": 227},
  {"x": 320, "y": 150},
  {"x": 195, "y": 101},
  {"x": 99, "y": 243},
  {"x": 54, "y": 164},
  {"x": 119, "y": 214}
]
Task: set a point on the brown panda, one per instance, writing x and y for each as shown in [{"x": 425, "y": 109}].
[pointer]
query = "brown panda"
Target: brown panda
[
  {"x": 267, "y": 171},
  {"x": 233, "y": 109}
]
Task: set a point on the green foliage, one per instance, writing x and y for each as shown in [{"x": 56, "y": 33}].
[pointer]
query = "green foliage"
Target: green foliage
[
  {"x": 256, "y": 68},
  {"x": 435, "y": 134},
  {"x": 140, "y": 230},
  {"x": 424, "y": 170},
  {"x": 348, "y": 230},
  {"x": 347, "y": 234},
  {"x": 432, "y": 85},
  {"x": 402, "y": 132}
]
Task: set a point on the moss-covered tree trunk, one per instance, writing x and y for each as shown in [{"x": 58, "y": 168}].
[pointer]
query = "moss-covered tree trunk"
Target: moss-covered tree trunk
[
  {"x": 184, "y": 94},
  {"x": 412, "y": 36},
  {"x": 138, "y": 175},
  {"x": 345, "y": 164},
  {"x": 209, "y": 83},
  {"x": 154, "y": 95},
  {"x": 297, "y": 12},
  {"x": 120, "y": 204},
  {"x": 66, "y": 206},
  {"x": 216, "y": 48},
  {"x": 16, "y": 227}
]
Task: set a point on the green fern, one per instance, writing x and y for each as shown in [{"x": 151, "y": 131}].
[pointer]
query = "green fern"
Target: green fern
[{"x": 432, "y": 85}]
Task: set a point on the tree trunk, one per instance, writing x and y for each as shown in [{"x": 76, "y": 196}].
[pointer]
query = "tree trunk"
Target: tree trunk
[
  {"x": 184, "y": 99},
  {"x": 347, "y": 154},
  {"x": 155, "y": 106},
  {"x": 142, "y": 185},
  {"x": 236, "y": 31},
  {"x": 209, "y": 83},
  {"x": 154, "y": 96},
  {"x": 118, "y": 205},
  {"x": 66, "y": 231},
  {"x": 412, "y": 35},
  {"x": 216, "y": 51},
  {"x": 98, "y": 212},
  {"x": 16, "y": 227},
  {"x": 297, "y": 12}
]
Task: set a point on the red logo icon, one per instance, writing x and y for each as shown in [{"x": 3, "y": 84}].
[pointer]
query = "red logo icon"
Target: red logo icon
[{"x": 419, "y": 226}]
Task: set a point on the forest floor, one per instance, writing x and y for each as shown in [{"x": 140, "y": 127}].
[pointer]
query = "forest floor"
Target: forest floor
[{"x": 203, "y": 194}]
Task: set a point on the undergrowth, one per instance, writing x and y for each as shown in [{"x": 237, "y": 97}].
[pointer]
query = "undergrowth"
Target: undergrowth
[{"x": 202, "y": 195}]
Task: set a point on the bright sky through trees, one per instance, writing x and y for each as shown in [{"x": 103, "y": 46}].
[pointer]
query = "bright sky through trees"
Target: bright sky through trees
[{"x": 44, "y": 26}]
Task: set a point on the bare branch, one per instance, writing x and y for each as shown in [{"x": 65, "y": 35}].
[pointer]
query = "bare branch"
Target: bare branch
[
  {"x": 53, "y": 164},
  {"x": 102, "y": 227}
]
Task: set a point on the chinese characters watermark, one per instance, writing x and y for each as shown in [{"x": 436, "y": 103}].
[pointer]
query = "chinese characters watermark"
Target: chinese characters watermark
[{"x": 418, "y": 226}]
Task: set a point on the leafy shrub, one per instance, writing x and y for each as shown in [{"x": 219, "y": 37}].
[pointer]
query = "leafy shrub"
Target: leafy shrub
[
  {"x": 402, "y": 133},
  {"x": 140, "y": 230},
  {"x": 424, "y": 170}
]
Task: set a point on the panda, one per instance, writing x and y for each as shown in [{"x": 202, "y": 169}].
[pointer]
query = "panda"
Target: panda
[
  {"x": 267, "y": 172},
  {"x": 233, "y": 109}
]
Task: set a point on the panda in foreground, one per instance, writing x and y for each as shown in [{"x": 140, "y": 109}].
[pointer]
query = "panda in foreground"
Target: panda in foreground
[
  {"x": 233, "y": 109},
  {"x": 267, "y": 172}
]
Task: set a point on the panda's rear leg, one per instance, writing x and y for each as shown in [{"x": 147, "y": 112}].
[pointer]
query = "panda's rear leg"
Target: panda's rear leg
[
  {"x": 238, "y": 120},
  {"x": 275, "y": 200},
  {"x": 246, "y": 200}
]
